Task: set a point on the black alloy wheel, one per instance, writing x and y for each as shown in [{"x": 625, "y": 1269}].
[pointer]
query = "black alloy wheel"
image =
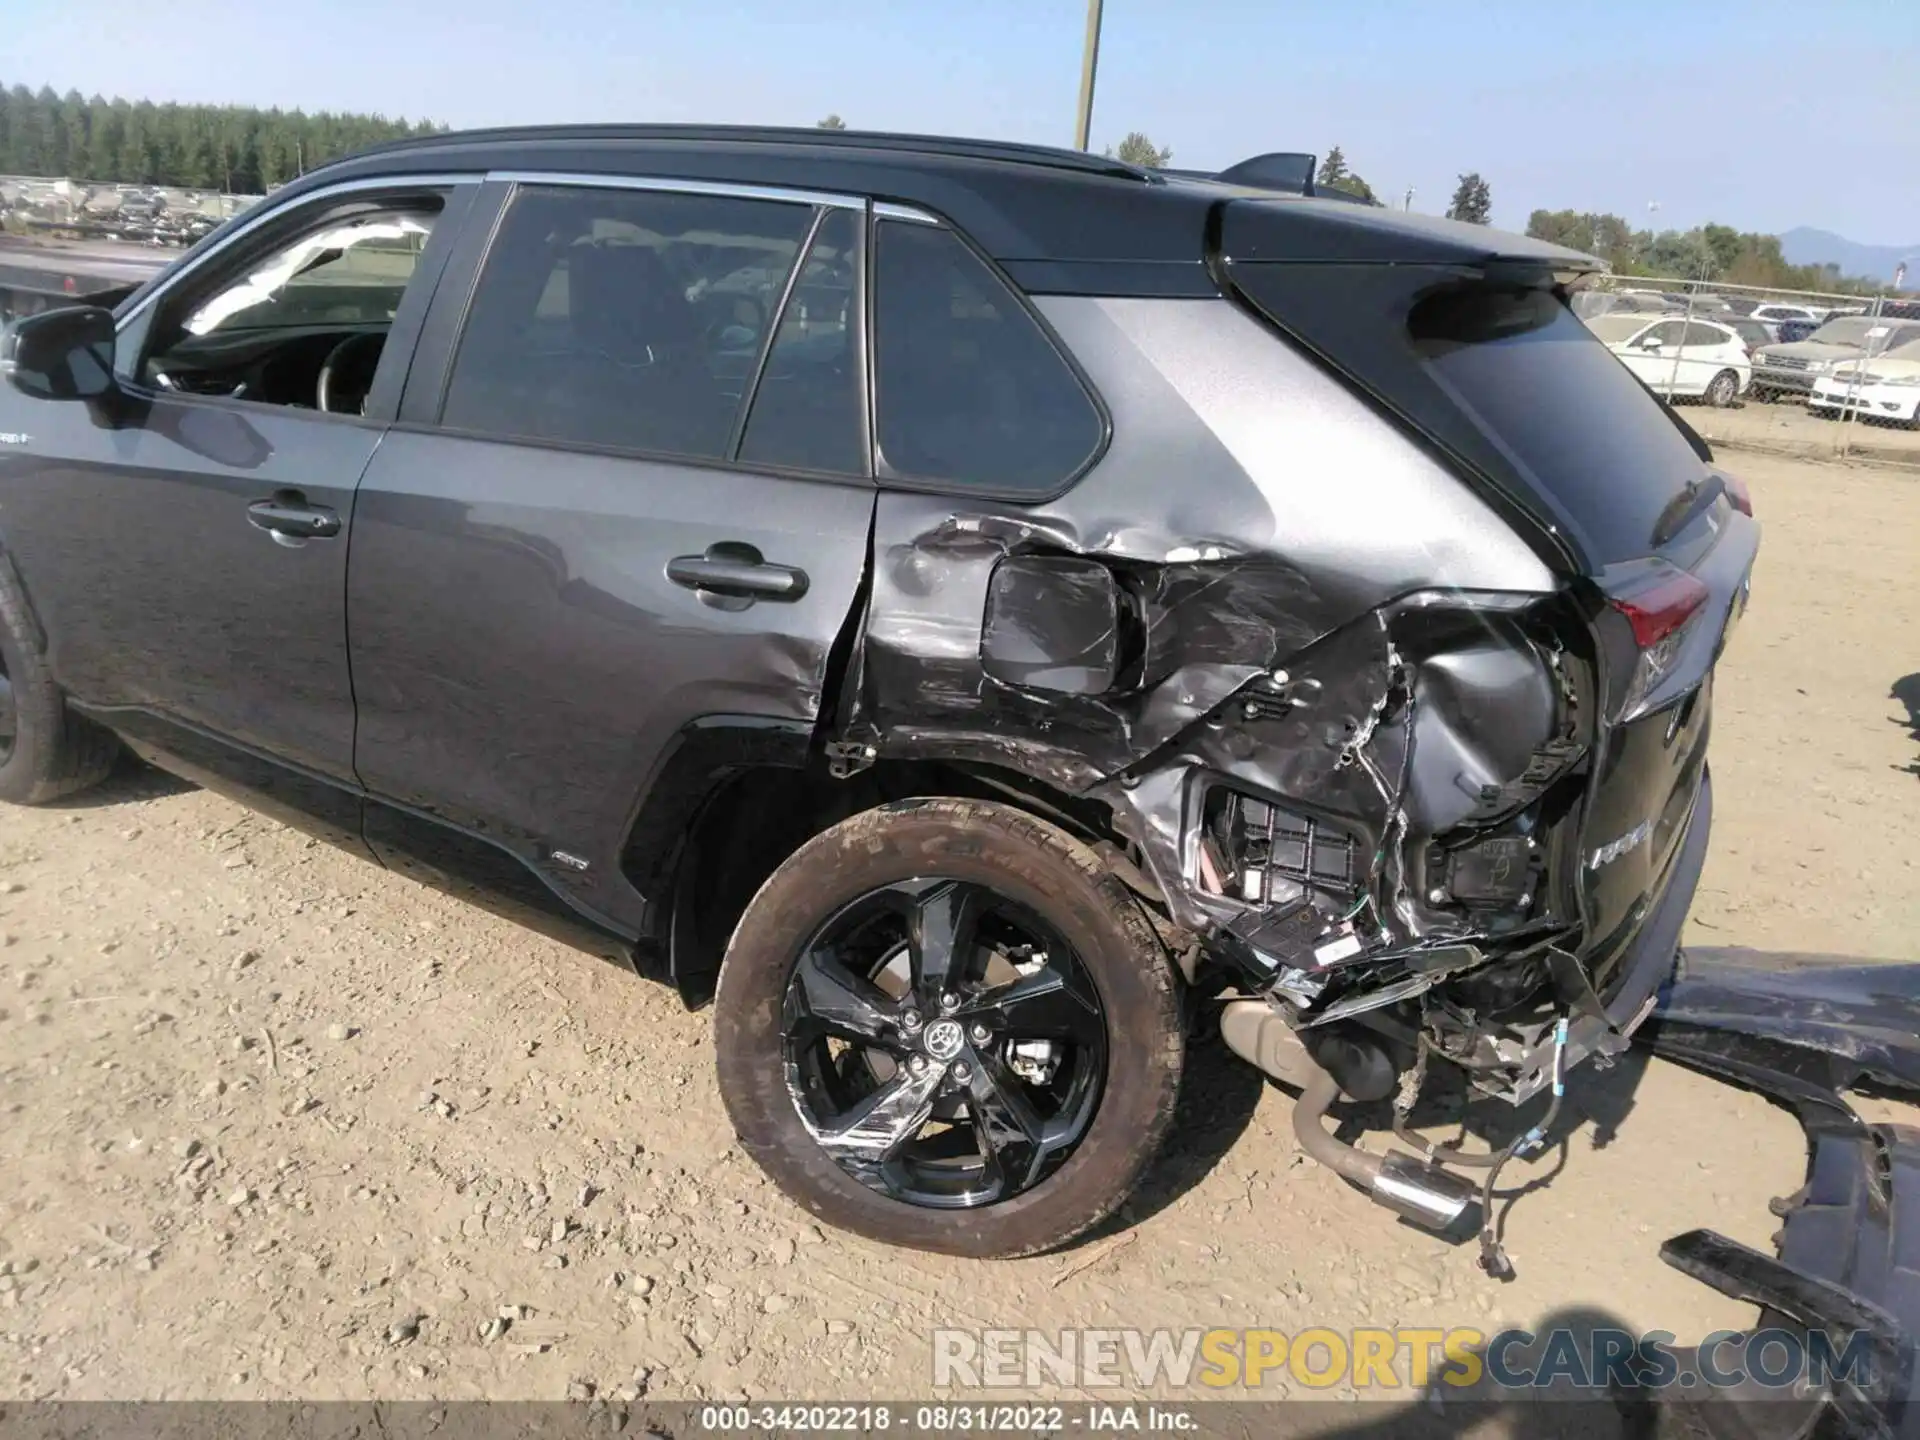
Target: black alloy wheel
[
  {"x": 943, "y": 1044},
  {"x": 9, "y": 714},
  {"x": 946, "y": 1023}
]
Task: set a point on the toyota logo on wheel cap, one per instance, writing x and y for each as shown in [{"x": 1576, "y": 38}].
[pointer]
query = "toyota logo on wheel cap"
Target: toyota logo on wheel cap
[{"x": 944, "y": 1039}]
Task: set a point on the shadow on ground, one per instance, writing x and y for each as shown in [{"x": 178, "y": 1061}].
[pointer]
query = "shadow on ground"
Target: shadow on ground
[
  {"x": 1218, "y": 1094},
  {"x": 1907, "y": 691},
  {"x": 1447, "y": 1114},
  {"x": 132, "y": 780}
]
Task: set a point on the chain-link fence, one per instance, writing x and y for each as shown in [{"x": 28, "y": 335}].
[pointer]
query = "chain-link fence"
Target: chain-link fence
[{"x": 1771, "y": 366}]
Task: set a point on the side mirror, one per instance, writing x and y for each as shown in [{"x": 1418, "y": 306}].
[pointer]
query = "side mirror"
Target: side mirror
[
  {"x": 64, "y": 354},
  {"x": 1649, "y": 343}
]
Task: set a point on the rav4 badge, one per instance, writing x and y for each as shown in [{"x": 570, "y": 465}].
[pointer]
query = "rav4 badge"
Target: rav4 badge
[{"x": 1614, "y": 849}]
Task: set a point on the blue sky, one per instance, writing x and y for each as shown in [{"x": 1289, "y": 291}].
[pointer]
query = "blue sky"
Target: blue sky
[{"x": 1764, "y": 114}]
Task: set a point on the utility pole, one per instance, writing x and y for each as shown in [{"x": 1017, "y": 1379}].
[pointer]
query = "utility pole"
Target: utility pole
[
  {"x": 1409, "y": 205},
  {"x": 1089, "y": 62}
]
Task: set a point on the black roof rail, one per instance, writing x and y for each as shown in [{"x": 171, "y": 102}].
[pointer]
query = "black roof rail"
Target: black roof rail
[{"x": 1012, "y": 152}]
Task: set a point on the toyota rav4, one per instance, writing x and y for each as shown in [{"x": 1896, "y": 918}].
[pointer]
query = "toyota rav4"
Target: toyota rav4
[{"x": 945, "y": 602}]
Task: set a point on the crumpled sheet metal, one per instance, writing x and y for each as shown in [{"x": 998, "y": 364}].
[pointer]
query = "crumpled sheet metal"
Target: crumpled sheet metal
[
  {"x": 1250, "y": 509},
  {"x": 1250, "y": 504}
]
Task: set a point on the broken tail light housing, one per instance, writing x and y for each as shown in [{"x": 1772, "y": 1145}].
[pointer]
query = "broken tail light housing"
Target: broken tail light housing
[
  {"x": 1660, "y": 607},
  {"x": 1738, "y": 495}
]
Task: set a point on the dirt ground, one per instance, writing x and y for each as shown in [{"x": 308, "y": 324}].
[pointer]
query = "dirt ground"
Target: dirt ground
[
  {"x": 1786, "y": 427},
  {"x": 275, "y": 1123}
]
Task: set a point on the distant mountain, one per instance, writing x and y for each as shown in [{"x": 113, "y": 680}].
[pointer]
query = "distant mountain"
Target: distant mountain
[{"x": 1806, "y": 246}]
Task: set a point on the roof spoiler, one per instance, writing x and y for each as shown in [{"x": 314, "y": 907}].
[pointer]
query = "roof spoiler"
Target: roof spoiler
[{"x": 1284, "y": 170}]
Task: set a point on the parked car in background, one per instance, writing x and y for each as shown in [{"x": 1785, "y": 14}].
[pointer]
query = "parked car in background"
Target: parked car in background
[
  {"x": 1589, "y": 304},
  {"x": 1792, "y": 368},
  {"x": 1886, "y": 387},
  {"x": 1791, "y": 331},
  {"x": 1680, "y": 357},
  {"x": 1753, "y": 333},
  {"x": 1772, "y": 311}
]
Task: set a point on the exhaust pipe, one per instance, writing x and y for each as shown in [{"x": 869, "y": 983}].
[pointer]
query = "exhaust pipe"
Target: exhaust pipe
[{"x": 1422, "y": 1193}]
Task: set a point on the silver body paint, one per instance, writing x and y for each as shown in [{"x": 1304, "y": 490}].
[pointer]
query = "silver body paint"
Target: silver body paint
[{"x": 1305, "y": 470}]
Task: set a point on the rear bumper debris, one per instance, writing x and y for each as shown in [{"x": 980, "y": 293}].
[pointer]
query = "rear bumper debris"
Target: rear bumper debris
[{"x": 1801, "y": 1029}]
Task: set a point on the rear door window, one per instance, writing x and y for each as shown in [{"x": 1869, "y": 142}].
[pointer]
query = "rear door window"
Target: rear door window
[
  {"x": 969, "y": 390},
  {"x": 807, "y": 407},
  {"x": 1698, "y": 334},
  {"x": 629, "y": 319}
]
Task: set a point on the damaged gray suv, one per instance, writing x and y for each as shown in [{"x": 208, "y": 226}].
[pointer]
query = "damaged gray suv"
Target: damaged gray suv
[{"x": 954, "y": 605}]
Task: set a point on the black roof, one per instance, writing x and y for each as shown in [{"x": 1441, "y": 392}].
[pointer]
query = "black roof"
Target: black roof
[
  {"x": 1010, "y": 151},
  {"x": 1058, "y": 220}
]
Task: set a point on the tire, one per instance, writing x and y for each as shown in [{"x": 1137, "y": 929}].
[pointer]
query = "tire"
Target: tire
[
  {"x": 1031, "y": 867},
  {"x": 46, "y": 751},
  {"x": 1723, "y": 390}
]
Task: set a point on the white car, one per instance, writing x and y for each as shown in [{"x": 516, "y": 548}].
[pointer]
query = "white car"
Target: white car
[
  {"x": 1885, "y": 387},
  {"x": 1679, "y": 357},
  {"x": 1777, "y": 313}
]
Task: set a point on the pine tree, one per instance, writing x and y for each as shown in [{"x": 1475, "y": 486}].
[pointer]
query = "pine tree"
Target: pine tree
[
  {"x": 1334, "y": 175},
  {"x": 1472, "y": 200},
  {"x": 194, "y": 146},
  {"x": 1137, "y": 149}
]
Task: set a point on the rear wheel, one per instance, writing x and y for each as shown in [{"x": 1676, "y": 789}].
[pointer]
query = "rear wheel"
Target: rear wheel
[
  {"x": 916, "y": 1023},
  {"x": 1723, "y": 389},
  {"x": 46, "y": 750}
]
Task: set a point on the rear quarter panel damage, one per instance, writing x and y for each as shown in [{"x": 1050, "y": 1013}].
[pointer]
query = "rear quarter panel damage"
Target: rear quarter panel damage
[{"x": 1248, "y": 508}]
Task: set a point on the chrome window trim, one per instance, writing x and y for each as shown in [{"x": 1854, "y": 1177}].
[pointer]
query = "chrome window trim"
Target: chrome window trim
[
  {"x": 672, "y": 185},
  {"x": 891, "y": 210},
  {"x": 265, "y": 213}
]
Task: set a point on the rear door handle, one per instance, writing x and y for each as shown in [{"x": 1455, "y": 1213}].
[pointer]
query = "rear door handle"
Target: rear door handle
[
  {"x": 290, "y": 520},
  {"x": 737, "y": 572}
]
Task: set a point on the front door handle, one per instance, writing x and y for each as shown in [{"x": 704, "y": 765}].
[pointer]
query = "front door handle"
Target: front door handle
[
  {"x": 733, "y": 571},
  {"x": 290, "y": 520}
]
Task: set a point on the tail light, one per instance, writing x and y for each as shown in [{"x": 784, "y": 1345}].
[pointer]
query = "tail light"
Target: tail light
[
  {"x": 1659, "y": 607},
  {"x": 1738, "y": 495}
]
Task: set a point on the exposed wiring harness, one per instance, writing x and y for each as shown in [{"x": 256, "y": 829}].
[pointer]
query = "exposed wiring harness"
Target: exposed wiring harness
[
  {"x": 1493, "y": 1255},
  {"x": 1393, "y": 833}
]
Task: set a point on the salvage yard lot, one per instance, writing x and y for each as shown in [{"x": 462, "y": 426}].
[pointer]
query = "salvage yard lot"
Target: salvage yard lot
[{"x": 276, "y": 1123}]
